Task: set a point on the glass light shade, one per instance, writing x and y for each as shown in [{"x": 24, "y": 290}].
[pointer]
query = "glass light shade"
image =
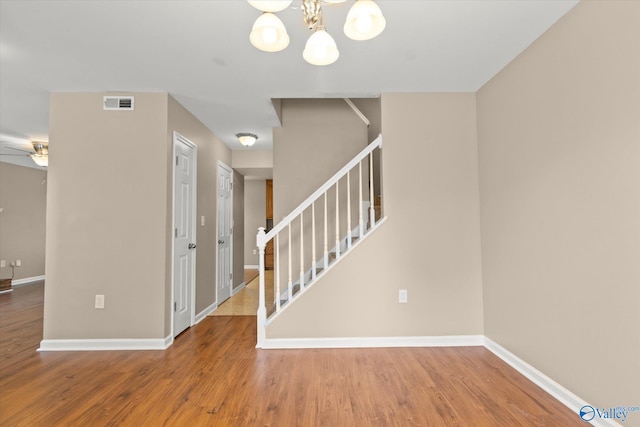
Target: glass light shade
[
  {"x": 320, "y": 49},
  {"x": 364, "y": 21},
  {"x": 270, "y": 5},
  {"x": 269, "y": 34},
  {"x": 40, "y": 160},
  {"x": 247, "y": 139}
]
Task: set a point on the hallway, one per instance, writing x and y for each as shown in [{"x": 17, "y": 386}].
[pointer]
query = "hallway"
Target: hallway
[{"x": 245, "y": 301}]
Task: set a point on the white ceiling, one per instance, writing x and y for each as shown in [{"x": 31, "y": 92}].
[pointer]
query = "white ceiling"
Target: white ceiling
[{"x": 199, "y": 52}]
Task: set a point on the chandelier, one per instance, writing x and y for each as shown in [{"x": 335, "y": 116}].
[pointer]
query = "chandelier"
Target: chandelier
[{"x": 364, "y": 22}]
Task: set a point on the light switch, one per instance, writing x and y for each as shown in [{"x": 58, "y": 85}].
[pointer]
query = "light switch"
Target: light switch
[{"x": 202, "y": 221}]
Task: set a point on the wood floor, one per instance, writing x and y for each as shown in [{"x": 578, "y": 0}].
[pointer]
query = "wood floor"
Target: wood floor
[{"x": 213, "y": 376}]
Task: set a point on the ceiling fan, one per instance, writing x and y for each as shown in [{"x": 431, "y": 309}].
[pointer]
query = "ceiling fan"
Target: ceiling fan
[{"x": 40, "y": 153}]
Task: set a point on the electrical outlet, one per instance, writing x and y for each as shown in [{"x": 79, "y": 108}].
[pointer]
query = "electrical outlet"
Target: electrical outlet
[
  {"x": 402, "y": 296},
  {"x": 3, "y": 264},
  {"x": 99, "y": 301},
  {"x": 18, "y": 263},
  {"x": 255, "y": 252}
]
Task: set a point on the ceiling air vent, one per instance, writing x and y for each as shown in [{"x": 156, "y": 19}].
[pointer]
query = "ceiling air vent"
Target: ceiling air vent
[{"x": 118, "y": 102}]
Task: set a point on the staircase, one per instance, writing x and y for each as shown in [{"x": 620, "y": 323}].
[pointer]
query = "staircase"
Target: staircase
[{"x": 315, "y": 235}]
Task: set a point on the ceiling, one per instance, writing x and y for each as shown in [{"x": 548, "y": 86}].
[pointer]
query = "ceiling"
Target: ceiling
[{"x": 199, "y": 52}]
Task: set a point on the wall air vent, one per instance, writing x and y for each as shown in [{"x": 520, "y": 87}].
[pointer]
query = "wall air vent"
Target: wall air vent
[{"x": 118, "y": 102}]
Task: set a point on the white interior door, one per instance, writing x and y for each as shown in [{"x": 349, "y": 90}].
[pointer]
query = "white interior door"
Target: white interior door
[
  {"x": 184, "y": 217},
  {"x": 225, "y": 232}
]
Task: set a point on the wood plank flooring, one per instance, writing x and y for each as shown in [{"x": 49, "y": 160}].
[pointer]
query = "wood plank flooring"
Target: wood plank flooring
[{"x": 213, "y": 376}]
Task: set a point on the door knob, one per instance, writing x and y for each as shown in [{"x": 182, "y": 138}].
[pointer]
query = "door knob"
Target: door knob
[
  {"x": 192, "y": 245},
  {"x": 220, "y": 242}
]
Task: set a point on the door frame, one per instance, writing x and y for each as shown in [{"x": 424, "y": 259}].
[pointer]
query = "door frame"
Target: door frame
[
  {"x": 177, "y": 137},
  {"x": 223, "y": 165}
]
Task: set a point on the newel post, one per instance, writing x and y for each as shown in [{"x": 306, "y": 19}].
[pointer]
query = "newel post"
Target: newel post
[{"x": 262, "y": 309}]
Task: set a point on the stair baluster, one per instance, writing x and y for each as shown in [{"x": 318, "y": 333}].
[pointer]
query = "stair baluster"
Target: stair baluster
[
  {"x": 290, "y": 282},
  {"x": 313, "y": 241},
  {"x": 360, "y": 217},
  {"x": 349, "y": 236},
  {"x": 326, "y": 235},
  {"x": 337, "y": 219},
  {"x": 276, "y": 274},
  {"x": 372, "y": 212},
  {"x": 301, "y": 250}
]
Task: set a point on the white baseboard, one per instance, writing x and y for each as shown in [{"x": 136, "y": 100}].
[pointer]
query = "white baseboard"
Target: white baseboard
[
  {"x": 26, "y": 280},
  {"x": 204, "y": 313},
  {"x": 564, "y": 396},
  {"x": 238, "y": 288},
  {"x": 251, "y": 267},
  {"x": 371, "y": 342},
  {"x": 6, "y": 292},
  {"x": 106, "y": 344}
]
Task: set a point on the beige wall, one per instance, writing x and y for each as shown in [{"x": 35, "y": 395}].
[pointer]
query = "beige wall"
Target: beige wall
[
  {"x": 106, "y": 218},
  {"x": 317, "y": 138},
  {"x": 23, "y": 196},
  {"x": 559, "y": 138},
  {"x": 372, "y": 109},
  {"x": 430, "y": 244},
  {"x": 238, "y": 229},
  {"x": 255, "y": 196},
  {"x": 252, "y": 159},
  {"x": 109, "y": 210},
  {"x": 210, "y": 150}
]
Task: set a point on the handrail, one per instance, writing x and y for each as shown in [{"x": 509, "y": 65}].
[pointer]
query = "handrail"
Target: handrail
[{"x": 320, "y": 191}]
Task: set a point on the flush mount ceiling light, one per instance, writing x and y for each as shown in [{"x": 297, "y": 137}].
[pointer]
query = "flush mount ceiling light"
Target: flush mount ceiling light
[
  {"x": 364, "y": 22},
  {"x": 247, "y": 139}
]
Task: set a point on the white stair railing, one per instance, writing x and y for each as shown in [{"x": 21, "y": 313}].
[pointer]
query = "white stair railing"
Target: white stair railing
[{"x": 285, "y": 241}]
